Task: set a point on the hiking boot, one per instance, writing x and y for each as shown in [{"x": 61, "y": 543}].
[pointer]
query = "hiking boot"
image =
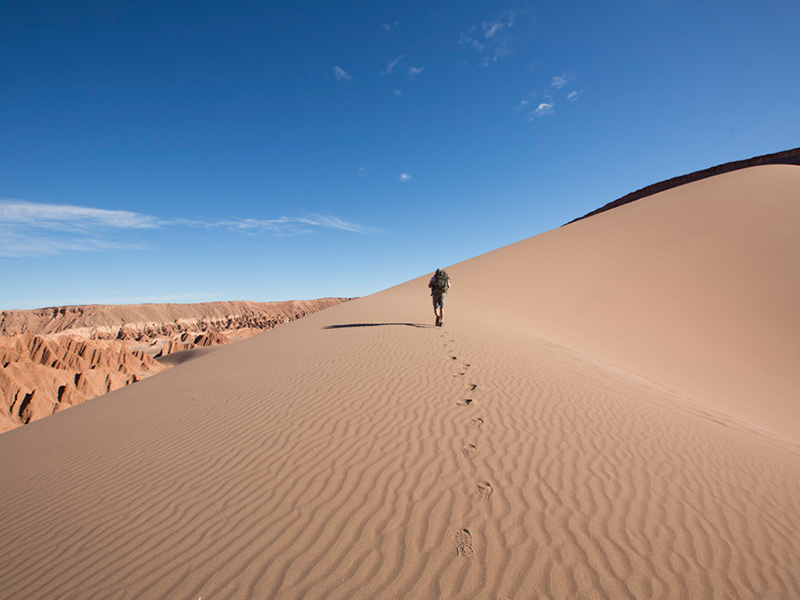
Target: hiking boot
[{"x": 437, "y": 321}]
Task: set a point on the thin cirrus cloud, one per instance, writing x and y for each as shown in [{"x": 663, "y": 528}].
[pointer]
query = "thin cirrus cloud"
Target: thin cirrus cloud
[
  {"x": 559, "y": 81},
  {"x": 341, "y": 74},
  {"x": 30, "y": 229},
  {"x": 491, "y": 40},
  {"x": 405, "y": 177},
  {"x": 391, "y": 66},
  {"x": 412, "y": 71},
  {"x": 55, "y": 216}
]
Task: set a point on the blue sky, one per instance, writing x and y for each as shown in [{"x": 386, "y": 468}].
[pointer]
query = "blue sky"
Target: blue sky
[{"x": 200, "y": 151}]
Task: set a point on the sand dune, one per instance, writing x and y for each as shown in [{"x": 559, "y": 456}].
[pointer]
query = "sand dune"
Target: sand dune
[
  {"x": 585, "y": 425},
  {"x": 54, "y": 358},
  {"x": 696, "y": 288},
  {"x": 787, "y": 157}
]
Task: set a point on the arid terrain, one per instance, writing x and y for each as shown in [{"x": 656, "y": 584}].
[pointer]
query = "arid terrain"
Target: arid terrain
[
  {"x": 54, "y": 358},
  {"x": 621, "y": 421}
]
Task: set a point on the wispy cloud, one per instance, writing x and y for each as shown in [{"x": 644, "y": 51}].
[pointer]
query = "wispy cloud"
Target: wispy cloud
[
  {"x": 405, "y": 177},
  {"x": 414, "y": 71},
  {"x": 37, "y": 229},
  {"x": 545, "y": 109},
  {"x": 341, "y": 74},
  {"x": 397, "y": 93},
  {"x": 491, "y": 39},
  {"x": 390, "y": 67},
  {"x": 552, "y": 94},
  {"x": 53, "y": 216},
  {"x": 20, "y": 244},
  {"x": 467, "y": 39},
  {"x": 559, "y": 82},
  {"x": 332, "y": 222},
  {"x": 362, "y": 171}
]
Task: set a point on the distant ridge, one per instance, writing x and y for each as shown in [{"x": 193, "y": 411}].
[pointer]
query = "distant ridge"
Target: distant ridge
[
  {"x": 53, "y": 358},
  {"x": 788, "y": 157}
]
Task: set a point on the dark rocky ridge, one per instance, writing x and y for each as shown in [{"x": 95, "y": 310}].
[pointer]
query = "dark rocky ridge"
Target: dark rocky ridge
[{"x": 788, "y": 157}]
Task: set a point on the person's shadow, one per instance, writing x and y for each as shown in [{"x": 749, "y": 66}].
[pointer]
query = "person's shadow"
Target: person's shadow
[{"x": 348, "y": 325}]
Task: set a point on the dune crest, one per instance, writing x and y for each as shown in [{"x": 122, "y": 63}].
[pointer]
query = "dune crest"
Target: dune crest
[{"x": 787, "y": 157}]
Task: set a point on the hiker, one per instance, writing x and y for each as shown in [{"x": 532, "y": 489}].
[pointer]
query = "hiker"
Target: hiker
[{"x": 439, "y": 284}]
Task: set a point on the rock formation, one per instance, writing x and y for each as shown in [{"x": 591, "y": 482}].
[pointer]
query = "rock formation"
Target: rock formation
[
  {"x": 54, "y": 358},
  {"x": 787, "y": 157}
]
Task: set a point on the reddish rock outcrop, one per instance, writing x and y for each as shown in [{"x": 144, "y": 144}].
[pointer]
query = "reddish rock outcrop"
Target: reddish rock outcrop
[
  {"x": 41, "y": 376},
  {"x": 146, "y": 322},
  {"x": 53, "y": 358}
]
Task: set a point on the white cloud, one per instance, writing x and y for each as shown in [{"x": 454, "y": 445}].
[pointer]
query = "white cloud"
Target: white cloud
[
  {"x": 54, "y": 216},
  {"x": 337, "y": 223},
  {"x": 489, "y": 29},
  {"x": 34, "y": 229},
  {"x": 545, "y": 109},
  {"x": 559, "y": 82},
  {"x": 281, "y": 225},
  {"x": 405, "y": 177},
  {"x": 573, "y": 96},
  {"x": 362, "y": 171},
  {"x": 19, "y": 244},
  {"x": 491, "y": 40},
  {"x": 341, "y": 74},
  {"x": 466, "y": 39},
  {"x": 521, "y": 105},
  {"x": 390, "y": 67},
  {"x": 414, "y": 71}
]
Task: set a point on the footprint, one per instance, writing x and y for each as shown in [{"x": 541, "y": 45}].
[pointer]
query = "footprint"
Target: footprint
[
  {"x": 469, "y": 451},
  {"x": 468, "y": 401},
  {"x": 463, "y": 542},
  {"x": 472, "y": 386},
  {"x": 477, "y": 422},
  {"x": 485, "y": 490},
  {"x": 453, "y": 358}
]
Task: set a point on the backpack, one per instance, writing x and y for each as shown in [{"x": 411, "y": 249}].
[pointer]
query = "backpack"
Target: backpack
[{"x": 441, "y": 282}]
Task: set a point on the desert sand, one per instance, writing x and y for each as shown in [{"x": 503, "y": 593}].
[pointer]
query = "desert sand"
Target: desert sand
[
  {"x": 54, "y": 358},
  {"x": 611, "y": 410}
]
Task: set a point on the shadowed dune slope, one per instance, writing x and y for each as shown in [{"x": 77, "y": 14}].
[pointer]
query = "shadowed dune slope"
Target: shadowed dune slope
[{"x": 564, "y": 435}]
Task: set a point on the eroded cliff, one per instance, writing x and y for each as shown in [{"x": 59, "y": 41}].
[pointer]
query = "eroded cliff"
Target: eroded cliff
[{"x": 54, "y": 358}]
